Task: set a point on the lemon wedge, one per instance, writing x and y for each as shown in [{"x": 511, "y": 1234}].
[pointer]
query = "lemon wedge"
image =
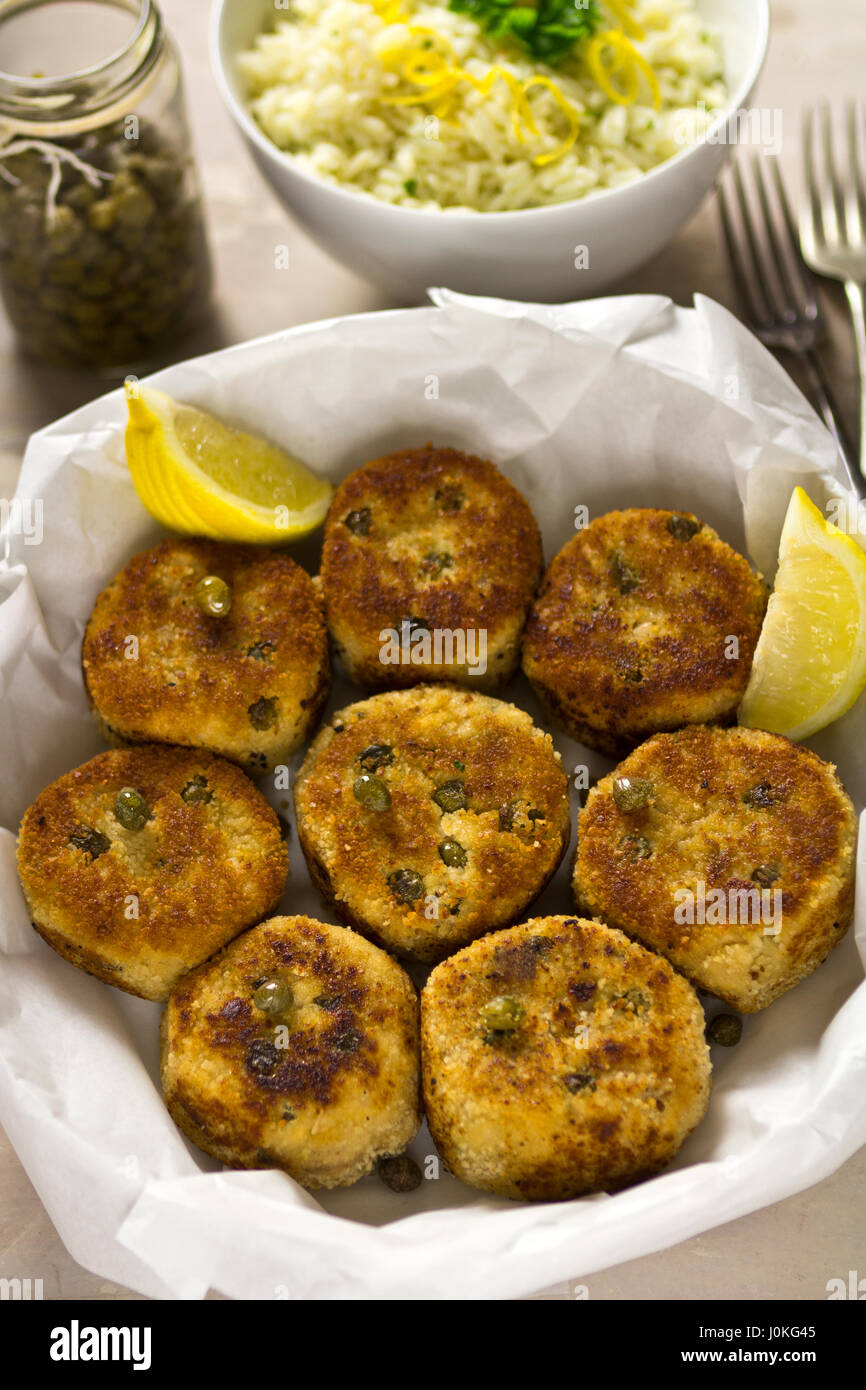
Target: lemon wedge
[
  {"x": 197, "y": 475},
  {"x": 810, "y": 661}
]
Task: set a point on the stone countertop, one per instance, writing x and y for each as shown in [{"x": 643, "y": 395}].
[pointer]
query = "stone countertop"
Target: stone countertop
[{"x": 789, "y": 1250}]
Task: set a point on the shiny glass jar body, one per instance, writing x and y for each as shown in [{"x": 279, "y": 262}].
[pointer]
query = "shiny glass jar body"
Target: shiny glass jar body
[{"x": 103, "y": 253}]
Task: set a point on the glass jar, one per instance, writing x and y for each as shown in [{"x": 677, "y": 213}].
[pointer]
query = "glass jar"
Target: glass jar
[{"x": 103, "y": 254}]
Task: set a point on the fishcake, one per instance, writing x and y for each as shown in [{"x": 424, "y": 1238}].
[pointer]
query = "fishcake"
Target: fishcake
[
  {"x": 212, "y": 646},
  {"x": 429, "y": 563},
  {"x": 730, "y": 851},
  {"x": 428, "y": 816},
  {"x": 560, "y": 1058},
  {"x": 295, "y": 1048},
  {"x": 645, "y": 620},
  {"x": 142, "y": 862}
]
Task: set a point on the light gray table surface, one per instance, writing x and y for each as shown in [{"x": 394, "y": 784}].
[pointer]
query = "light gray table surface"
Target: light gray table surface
[{"x": 789, "y": 1250}]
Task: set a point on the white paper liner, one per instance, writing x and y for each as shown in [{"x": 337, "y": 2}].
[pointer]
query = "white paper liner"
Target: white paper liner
[{"x": 611, "y": 403}]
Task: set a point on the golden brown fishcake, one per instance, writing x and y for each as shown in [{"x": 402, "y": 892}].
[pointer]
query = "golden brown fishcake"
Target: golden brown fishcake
[
  {"x": 428, "y": 816},
  {"x": 727, "y": 814},
  {"x": 249, "y": 685},
  {"x": 632, "y": 629},
  {"x": 560, "y": 1058},
  {"x": 438, "y": 540},
  {"x": 295, "y": 1048},
  {"x": 139, "y": 907}
]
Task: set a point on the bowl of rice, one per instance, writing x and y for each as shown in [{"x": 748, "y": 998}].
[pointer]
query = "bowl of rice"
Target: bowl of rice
[{"x": 534, "y": 151}]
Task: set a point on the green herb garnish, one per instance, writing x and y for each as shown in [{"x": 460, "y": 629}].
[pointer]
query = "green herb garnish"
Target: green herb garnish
[{"x": 549, "y": 30}]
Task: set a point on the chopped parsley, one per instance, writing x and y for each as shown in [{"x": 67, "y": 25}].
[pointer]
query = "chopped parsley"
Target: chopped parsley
[{"x": 549, "y": 31}]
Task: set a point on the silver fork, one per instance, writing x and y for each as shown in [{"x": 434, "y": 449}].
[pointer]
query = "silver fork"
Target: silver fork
[
  {"x": 778, "y": 290},
  {"x": 833, "y": 221}
]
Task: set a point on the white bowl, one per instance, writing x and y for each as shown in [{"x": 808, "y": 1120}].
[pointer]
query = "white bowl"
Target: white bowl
[{"x": 529, "y": 254}]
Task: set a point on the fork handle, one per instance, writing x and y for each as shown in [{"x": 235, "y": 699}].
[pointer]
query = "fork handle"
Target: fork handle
[
  {"x": 857, "y": 302},
  {"x": 821, "y": 394}
]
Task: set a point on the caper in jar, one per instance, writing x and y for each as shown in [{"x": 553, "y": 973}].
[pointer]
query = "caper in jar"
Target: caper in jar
[
  {"x": 131, "y": 809},
  {"x": 103, "y": 257},
  {"x": 213, "y": 596}
]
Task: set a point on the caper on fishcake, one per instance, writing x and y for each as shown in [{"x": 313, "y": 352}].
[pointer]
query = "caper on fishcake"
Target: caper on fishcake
[
  {"x": 399, "y": 812},
  {"x": 263, "y": 712},
  {"x": 376, "y": 756},
  {"x": 371, "y": 791},
  {"x": 91, "y": 842},
  {"x": 437, "y": 548},
  {"x": 406, "y": 885},
  {"x": 273, "y": 995},
  {"x": 131, "y": 809},
  {"x": 197, "y": 789},
  {"x": 452, "y": 853},
  {"x": 451, "y": 796},
  {"x": 645, "y": 620},
  {"x": 213, "y": 596},
  {"x": 297, "y": 1048},
  {"x": 209, "y": 645},
  {"x": 131, "y": 879},
  {"x": 435, "y": 562},
  {"x": 358, "y": 522},
  {"x": 502, "y": 1014},
  {"x": 682, "y": 528},
  {"x": 558, "y": 1057},
  {"x": 739, "y": 868},
  {"x": 631, "y": 793}
]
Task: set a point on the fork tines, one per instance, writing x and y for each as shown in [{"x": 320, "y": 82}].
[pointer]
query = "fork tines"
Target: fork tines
[
  {"x": 837, "y": 202},
  {"x": 776, "y": 287}
]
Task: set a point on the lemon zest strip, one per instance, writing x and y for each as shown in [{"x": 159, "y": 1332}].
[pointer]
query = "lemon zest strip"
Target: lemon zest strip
[
  {"x": 627, "y": 62},
  {"x": 439, "y": 74},
  {"x": 568, "y": 111},
  {"x": 621, "y": 11}
]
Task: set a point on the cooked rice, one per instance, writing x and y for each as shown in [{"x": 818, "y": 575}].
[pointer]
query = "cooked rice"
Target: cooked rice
[{"x": 317, "y": 86}]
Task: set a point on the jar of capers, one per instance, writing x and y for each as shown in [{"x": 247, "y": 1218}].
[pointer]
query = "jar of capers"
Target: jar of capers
[{"x": 103, "y": 256}]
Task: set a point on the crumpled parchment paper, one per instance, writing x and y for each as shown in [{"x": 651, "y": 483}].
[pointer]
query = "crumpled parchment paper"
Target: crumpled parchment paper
[{"x": 616, "y": 402}]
